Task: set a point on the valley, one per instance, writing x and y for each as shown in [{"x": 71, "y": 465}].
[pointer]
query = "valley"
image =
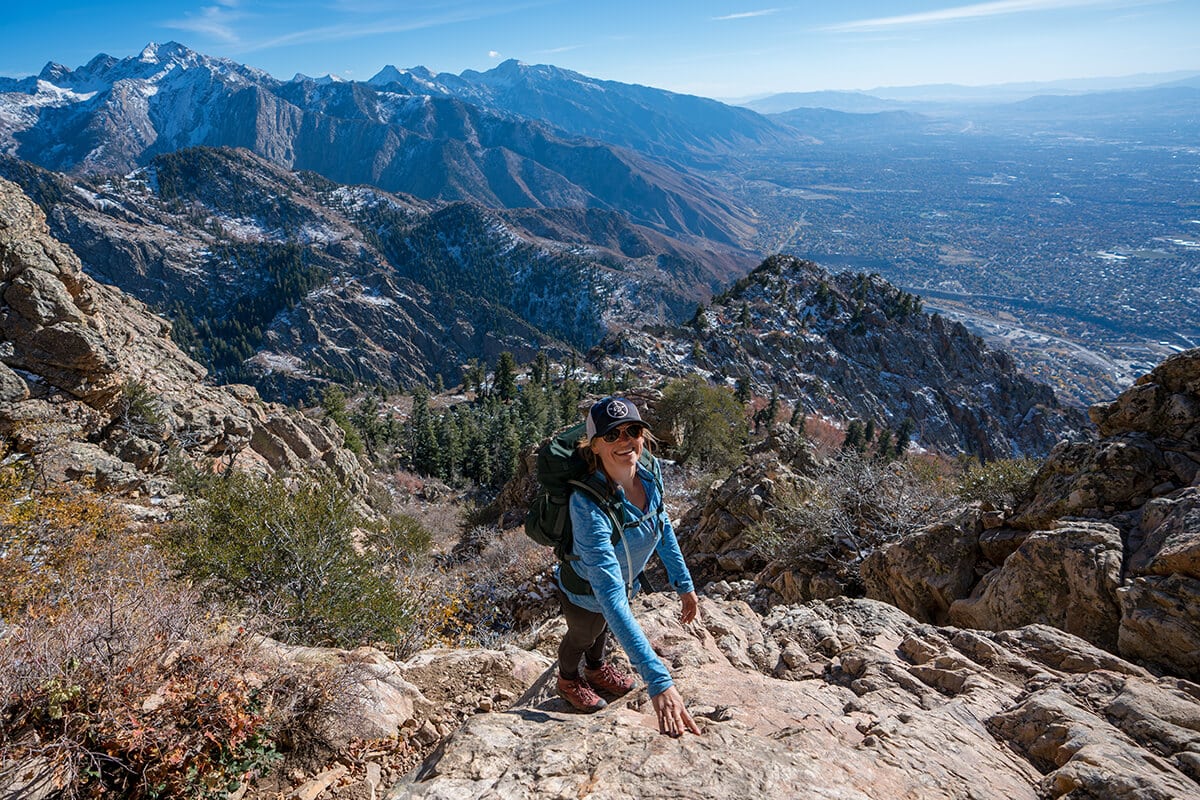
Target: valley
[{"x": 1085, "y": 242}]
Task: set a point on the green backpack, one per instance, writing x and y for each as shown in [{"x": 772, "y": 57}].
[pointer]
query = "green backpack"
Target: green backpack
[{"x": 560, "y": 471}]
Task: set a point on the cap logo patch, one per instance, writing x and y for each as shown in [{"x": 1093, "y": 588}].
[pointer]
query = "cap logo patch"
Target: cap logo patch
[{"x": 617, "y": 410}]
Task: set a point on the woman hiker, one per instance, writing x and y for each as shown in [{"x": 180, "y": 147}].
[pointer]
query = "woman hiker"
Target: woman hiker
[{"x": 612, "y": 446}]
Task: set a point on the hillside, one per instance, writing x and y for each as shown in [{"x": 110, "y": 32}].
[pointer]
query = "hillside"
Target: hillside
[
  {"x": 94, "y": 389},
  {"x": 281, "y": 278},
  {"x": 853, "y": 346}
]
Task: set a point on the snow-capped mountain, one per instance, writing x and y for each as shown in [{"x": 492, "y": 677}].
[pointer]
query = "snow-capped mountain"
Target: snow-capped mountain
[
  {"x": 114, "y": 115},
  {"x": 654, "y": 121}
]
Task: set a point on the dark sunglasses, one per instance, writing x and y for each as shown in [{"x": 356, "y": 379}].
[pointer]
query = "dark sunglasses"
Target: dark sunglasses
[{"x": 632, "y": 431}]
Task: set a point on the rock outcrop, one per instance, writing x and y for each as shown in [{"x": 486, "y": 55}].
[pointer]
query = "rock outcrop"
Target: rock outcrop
[
  {"x": 1106, "y": 545},
  {"x": 94, "y": 388},
  {"x": 844, "y": 698}
]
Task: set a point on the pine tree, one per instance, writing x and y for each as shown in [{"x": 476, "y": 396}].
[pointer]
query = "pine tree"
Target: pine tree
[
  {"x": 505, "y": 382},
  {"x": 854, "y": 436},
  {"x": 742, "y": 390},
  {"x": 422, "y": 439}
]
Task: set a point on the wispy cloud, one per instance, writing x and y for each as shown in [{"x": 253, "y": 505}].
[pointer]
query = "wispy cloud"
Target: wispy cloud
[
  {"x": 554, "y": 50},
  {"x": 746, "y": 14},
  {"x": 493, "y": 54},
  {"x": 961, "y": 13},
  {"x": 375, "y": 27},
  {"x": 216, "y": 21},
  {"x": 354, "y": 23}
]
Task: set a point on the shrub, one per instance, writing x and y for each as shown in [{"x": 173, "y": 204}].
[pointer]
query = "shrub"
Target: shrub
[
  {"x": 998, "y": 484},
  {"x": 854, "y": 505},
  {"x": 287, "y": 551},
  {"x": 103, "y": 686}
]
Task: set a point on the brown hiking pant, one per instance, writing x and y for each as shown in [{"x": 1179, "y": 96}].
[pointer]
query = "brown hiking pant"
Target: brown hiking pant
[{"x": 587, "y": 634}]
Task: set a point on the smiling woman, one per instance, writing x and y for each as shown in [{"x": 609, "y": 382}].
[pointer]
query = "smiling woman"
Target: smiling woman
[{"x": 598, "y": 578}]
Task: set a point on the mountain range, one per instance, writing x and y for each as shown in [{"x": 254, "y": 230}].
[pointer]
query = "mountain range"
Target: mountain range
[
  {"x": 522, "y": 208},
  {"x": 113, "y": 115}
]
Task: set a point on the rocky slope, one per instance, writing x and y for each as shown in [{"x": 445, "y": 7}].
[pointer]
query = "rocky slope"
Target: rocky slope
[
  {"x": 301, "y": 271},
  {"x": 113, "y": 115},
  {"x": 92, "y": 385},
  {"x": 849, "y": 699},
  {"x": 1102, "y": 546},
  {"x": 1105, "y": 546},
  {"x": 852, "y": 346}
]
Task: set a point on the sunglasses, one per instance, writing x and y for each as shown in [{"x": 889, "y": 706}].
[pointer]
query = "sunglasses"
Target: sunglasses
[{"x": 632, "y": 431}]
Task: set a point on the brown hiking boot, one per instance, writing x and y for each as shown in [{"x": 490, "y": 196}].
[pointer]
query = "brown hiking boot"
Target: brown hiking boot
[
  {"x": 609, "y": 680},
  {"x": 580, "y": 695}
]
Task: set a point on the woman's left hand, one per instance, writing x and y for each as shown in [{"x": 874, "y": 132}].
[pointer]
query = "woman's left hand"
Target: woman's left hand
[{"x": 690, "y": 605}]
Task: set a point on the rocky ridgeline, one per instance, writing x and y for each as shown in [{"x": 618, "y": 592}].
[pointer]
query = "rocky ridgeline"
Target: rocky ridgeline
[
  {"x": 849, "y": 346},
  {"x": 92, "y": 385},
  {"x": 844, "y": 698}
]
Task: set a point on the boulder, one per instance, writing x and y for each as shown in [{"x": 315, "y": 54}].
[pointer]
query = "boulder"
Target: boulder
[
  {"x": 925, "y": 573},
  {"x": 1066, "y": 577},
  {"x": 1160, "y": 623},
  {"x": 1170, "y": 536}
]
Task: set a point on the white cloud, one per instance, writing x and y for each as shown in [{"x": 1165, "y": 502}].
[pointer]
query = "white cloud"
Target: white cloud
[
  {"x": 746, "y": 14},
  {"x": 959, "y": 13},
  {"x": 493, "y": 53},
  {"x": 216, "y": 21}
]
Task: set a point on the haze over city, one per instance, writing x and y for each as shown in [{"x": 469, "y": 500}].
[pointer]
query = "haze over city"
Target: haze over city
[{"x": 723, "y": 49}]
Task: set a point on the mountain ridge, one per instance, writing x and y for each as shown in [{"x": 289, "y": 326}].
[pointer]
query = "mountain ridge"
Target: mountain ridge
[{"x": 116, "y": 114}]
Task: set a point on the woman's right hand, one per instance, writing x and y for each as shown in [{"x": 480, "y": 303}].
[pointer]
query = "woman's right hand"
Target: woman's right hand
[{"x": 673, "y": 717}]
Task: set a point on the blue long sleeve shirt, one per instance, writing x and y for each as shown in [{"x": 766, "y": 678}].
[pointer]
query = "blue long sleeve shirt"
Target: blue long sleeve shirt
[{"x": 612, "y": 570}]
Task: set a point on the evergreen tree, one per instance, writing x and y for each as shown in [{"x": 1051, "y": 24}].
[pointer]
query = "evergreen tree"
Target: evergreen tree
[
  {"x": 884, "y": 447},
  {"x": 742, "y": 391},
  {"x": 422, "y": 438},
  {"x": 854, "y": 436},
  {"x": 505, "y": 382},
  {"x": 904, "y": 435},
  {"x": 539, "y": 372}
]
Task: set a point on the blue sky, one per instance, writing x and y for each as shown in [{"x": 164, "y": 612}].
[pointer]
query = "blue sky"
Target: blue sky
[{"x": 719, "y": 49}]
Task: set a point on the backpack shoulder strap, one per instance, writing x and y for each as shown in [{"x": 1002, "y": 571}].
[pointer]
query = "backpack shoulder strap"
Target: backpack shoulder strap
[{"x": 599, "y": 495}]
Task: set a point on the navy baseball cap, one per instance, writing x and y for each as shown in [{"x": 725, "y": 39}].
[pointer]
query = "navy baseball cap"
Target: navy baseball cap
[{"x": 610, "y": 412}]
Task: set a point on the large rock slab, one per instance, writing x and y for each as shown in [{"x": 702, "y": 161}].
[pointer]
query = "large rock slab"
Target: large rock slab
[{"x": 842, "y": 699}]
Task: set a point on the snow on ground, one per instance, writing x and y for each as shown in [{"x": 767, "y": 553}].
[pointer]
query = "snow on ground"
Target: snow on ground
[{"x": 277, "y": 362}]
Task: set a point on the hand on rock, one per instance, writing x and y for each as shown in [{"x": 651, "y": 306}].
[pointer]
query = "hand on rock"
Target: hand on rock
[{"x": 673, "y": 717}]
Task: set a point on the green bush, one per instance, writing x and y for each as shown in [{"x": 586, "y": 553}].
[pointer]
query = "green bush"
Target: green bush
[
  {"x": 285, "y": 549},
  {"x": 998, "y": 484},
  {"x": 707, "y": 422}
]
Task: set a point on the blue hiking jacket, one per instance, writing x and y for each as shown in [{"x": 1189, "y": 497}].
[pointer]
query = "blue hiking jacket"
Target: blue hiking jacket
[{"x": 611, "y": 570}]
